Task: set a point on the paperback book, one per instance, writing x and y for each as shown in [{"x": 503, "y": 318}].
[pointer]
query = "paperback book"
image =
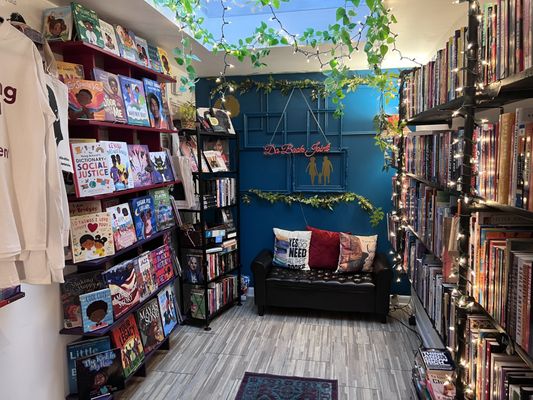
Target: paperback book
[
  {"x": 141, "y": 165},
  {"x": 193, "y": 266},
  {"x": 57, "y": 24},
  {"x": 113, "y": 102},
  {"x": 167, "y": 307},
  {"x": 109, "y": 37},
  {"x": 150, "y": 327},
  {"x": 215, "y": 161},
  {"x": 163, "y": 208},
  {"x": 161, "y": 168},
  {"x": 166, "y": 107},
  {"x": 220, "y": 145},
  {"x": 85, "y": 100},
  {"x": 165, "y": 63},
  {"x": 122, "y": 225},
  {"x": 82, "y": 349},
  {"x": 153, "y": 55},
  {"x": 84, "y": 207},
  {"x": 92, "y": 237},
  {"x": 119, "y": 165},
  {"x": 122, "y": 281},
  {"x": 126, "y": 337},
  {"x": 144, "y": 217},
  {"x": 99, "y": 374},
  {"x": 126, "y": 43},
  {"x": 87, "y": 25},
  {"x": 156, "y": 111},
  {"x": 74, "y": 286},
  {"x": 66, "y": 70},
  {"x": 91, "y": 169},
  {"x": 96, "y": 310},
  {"x": 145, "y": 275},
  {"x": 134, "y": 101},
  {"x": 142, "y": 52},
  {"x": 219, "y": 120},
  {"x": 161, "y": 259}
]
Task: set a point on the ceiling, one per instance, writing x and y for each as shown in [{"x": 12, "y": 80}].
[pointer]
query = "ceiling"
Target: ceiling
[{"x": 423, "y": 26}]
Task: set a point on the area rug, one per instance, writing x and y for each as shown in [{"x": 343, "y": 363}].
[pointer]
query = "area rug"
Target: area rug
[{"x": 275, "y": 387}]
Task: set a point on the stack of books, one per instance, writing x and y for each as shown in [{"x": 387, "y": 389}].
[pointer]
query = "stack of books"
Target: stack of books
[{"x": 433, "y": 374}]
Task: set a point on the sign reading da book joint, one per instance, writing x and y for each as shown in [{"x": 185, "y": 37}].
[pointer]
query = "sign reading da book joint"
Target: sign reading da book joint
[{"x": 289, "y": 148}]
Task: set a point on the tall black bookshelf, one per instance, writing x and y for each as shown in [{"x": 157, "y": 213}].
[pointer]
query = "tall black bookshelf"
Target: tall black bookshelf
[
  {"x": 206, "y": 215},
  {"x": 473, "y": 99}
]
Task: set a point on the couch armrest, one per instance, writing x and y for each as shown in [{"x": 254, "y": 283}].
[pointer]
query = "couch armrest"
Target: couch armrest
[
  {"x": 383, "y": 279},
  {"x": 261, "y": 266}
]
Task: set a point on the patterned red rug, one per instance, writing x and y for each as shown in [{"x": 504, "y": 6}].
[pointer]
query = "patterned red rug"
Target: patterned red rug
[{"x": 275, "y": 387}]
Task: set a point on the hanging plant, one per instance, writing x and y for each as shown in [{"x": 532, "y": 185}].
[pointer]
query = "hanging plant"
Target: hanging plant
[{"x": 325, "y": 201}]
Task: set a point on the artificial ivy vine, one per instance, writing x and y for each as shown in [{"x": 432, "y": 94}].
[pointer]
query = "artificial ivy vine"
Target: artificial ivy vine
[{"x": 326, "y": 201}]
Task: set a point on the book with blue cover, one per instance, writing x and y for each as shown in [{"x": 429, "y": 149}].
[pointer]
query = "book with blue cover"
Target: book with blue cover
[
  {"x": 80, "y": 349},
  {"x": 154, "y": 100},
  {"x": 144, "y": 220},
  {"x": 99, "y": 375},
  {"x": 167, "y": 307},
  {"x": 134, "y": 101},
  {"x": 161, "y": 168},
  {"x": 96, "y": 310},
  {"x": 163, "y": 208}
]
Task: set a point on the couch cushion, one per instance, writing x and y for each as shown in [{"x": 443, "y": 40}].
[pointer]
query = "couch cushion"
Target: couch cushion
[
  {"x": 356, "y": 253},
  {"x": 324, "y": 249},
  {"x": 320, "y": 279}
]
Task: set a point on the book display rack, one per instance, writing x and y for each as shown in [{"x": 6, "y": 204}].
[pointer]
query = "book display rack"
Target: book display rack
[{"x": 471, "y": 291}]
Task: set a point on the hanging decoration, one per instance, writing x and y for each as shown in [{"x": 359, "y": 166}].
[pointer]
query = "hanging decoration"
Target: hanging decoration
[{"x": 289, "y": 148}]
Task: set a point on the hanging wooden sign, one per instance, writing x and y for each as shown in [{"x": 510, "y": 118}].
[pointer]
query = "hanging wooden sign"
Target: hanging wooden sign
[{"x": 289, "y": 148}]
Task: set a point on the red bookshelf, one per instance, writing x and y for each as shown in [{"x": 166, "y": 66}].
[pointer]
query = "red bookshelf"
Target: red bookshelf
[
  {"x": 112, "y": 125},
  {"x": 123, "y": 192}
]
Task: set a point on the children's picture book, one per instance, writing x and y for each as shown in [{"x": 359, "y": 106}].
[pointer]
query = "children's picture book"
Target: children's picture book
[
  {"x": 66, "y": 70},
  {"x": 161, "y": 168},
  {"x": 127, "y": 338},
  {"x": 150, "y": 327},
  {"x": 57, "y": 24},
  {"x": 92, "y": 237},
  {"x": 166, "y": 106},
  {"x": 134, "y": 101},
  {"x": 84, "y": 207},
  {"x": 126, "y": 43},
  {"x": 87, "y": 25},
  {"x": 142, "y": 52},
  {"x": 141, "y": 165},
  {"x": 165, "y": 63},
  {"x": 215, "y": 161},
  {"x": 220, "y": 145},
  {"x": 85, "y": 100},
  {"x": 163, "y": 208},
  {"x": 91, "y": 169},
  {"x": 122, "y": 281},
  {"x": 161, "y": 259},
  {"x": 155, "y": 61},
  {"x": 122, "y": 225},
  {"x": 158, "y": 118},
  {"x": 189, "y": 149},
  {"x": 113, "y": 102},
  {"x": 96, "y": 310},
  {"x": 145, "y": 275},
  {"x": 110, "y": 38},
  {"x": 218, "y": 119},
  {"x": 167, "y": 307},
  {"x": 74, "y": 286},
  {"x": 144, "y": 217},
  {"x": 99, "y": 374},
  {"x": 119, "y": 165},
  {"x": 81, "y": 349}
]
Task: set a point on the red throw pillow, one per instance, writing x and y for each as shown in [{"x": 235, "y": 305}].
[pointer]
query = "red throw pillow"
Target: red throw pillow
[{"x": 324, "y": 249}]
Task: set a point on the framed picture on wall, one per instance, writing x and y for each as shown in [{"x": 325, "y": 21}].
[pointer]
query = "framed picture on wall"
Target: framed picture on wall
[{"x": 322, "y": 172}]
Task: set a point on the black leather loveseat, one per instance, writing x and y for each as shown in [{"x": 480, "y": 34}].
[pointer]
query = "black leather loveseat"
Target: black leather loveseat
[{"x": 322, "y": 289}]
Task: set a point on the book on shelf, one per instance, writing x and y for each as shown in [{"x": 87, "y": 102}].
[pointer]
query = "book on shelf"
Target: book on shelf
[
  {"x": 81, "y": 349},
  {"x": 163, "y": 208},
  {"x": 161, "y": 168},
  {"x": 126, "y": 337},
  {"x": 166, "y": 110},
  {"x": 96, "y": 310},
  {"x": 219, "y": 294},
  {"x": 433, "y": 383},
  {"x": 92, "y": 237},
  {"x": 184, "y": 191},
  {"x": 134, "y": 98},
  {"x": 113, "y": 101},
  {"x": 87, "y": 25},
  {"x": 218, "y": 120},
  {"x": 109, "y": 38},
  {"x": 120, "y": 170},
  {"x": 91, "y": 169},
  {"x": 188, "y": 148},
  {"x": 150, "y": 326},
  {"x": 153, "y": 55},
  {"x": 146, "y": 277},
  {"x": 168, "y": 309},
  {"x": 124, "y": 234},
  {"x": 125, "y": 290},
  {"x": 57, "y": 24},
  {"x": 165, "y": 63},
  {"x": 85, "y": 100},
  {"x": 193, "y": 266},
  {"x": 141, "y": 165},
  {"x": 99, "y": 374},
  {"x": 161, "y": 260},
  {"x": 74, "y": 286},
  {"x": 126, "y": 43},
  {"x": 84, "y": 207},
  {"x": 142, "y": 52},
  {"x": 143, "y": 212},
  {"x": 69, "y": 71},
  {"x": 220, "y": 145},
  {"x": 215, "y": 161},
  {"x": 157, "y": 113}
]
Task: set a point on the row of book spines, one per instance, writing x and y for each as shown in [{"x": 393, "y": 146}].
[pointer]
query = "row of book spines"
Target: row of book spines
[
  {"x": 220, "y": 192},
  {"x": 219, "y": 293},
  {"x": 218, "y": 264}
]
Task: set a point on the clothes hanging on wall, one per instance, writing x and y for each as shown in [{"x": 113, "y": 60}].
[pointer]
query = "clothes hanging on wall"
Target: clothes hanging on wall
[{"x": 33, "y": 228}]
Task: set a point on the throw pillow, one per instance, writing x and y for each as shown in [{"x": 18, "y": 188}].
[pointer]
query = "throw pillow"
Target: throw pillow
[
  {"x": 324, "y": 249},
  {"x": 291, "y": 249},
  {"x": 356, "y": 253}
]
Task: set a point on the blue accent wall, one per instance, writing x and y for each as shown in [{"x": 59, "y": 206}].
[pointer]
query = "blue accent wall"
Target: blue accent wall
[{"x": 354, "y": 133}]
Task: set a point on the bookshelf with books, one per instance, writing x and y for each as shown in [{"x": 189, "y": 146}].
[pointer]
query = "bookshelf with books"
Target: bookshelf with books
[{"x": 463, "y": 222}]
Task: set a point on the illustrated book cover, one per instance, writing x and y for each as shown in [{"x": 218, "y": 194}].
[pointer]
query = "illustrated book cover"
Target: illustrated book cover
[
  {"x": 215, "y": 161},
  {"x": 109, "y": 37},
  {"x": 85, "y": 100},
  {"x": 161, "y": 168},
  {"x": 161, "y": 259},
  {"x": 92, "y": 237},
  {"x": 84, "y": 207},
  {"x": 96, "y": 310},
  {"x": 122, "y": 281},
  {"x": 119, "y": 164},
  {"x": 153, "y": 55},
  {"x": 145, "y": 275},
  {"x": 164, "y": 215},
  {"x": 142, "y": 52},
  {"x": 167, "y": 308},
  {"x": 87, "y": 25},
  {"x": 144, "y": 217},
  {"x": 91, "y": 169},
  {"x": 66, "y": 70},
  {"x": 127, "y": 338},
  {"x": 141, "y": 166},
  {"x": 99, "y": 374},
  {"x": 74, "y": 286},
  {"x": 113, "y": 101},
  {"x": 126, "y": 43},
  {"x": 57, "y": 24},
  {"x": 134, "y": 101},
  {"x": 156, "y": 109},
  {"x": 165, "y": 63},
  {"x": 150, "y": 327},
  {"x": 82, "y": 349},
  {"x": 220, "y": 145},
  {"x": 122, "y": 225}
]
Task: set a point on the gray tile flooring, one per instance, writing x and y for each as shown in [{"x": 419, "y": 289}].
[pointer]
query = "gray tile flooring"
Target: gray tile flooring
[{"x": 370, "y": 360}]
